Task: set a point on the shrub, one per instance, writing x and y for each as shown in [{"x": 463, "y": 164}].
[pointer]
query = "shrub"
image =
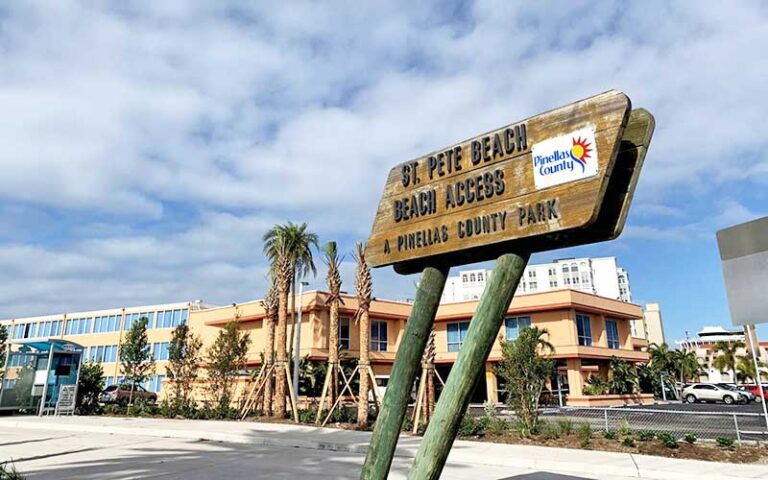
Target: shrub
[
  {"x": 498, "y": 426},
  {"x": 690, "y": 438},
  {"x": 473, "y": 427},
  {"x": 566, "y": 426},
  {"x": 407, "y": 424},
  {"x": 624, "y": 427},
  {"x": 724, "y": 442},
  {"x": 307, "y": 416},
  {"x": 585, "y": 443},
  {"x": 114, "y": 409},
  {"x": 551, "y": 431},
  {"x": 489, "y": 409},
  {"x": 645, "y": 436},
  {"x": 628, "y": 442},
  {"x": 141, "y": 408},
  {"x": 585, "y": 431},
  {"x": 8, "y": 472},
  {"x": 609, "y": 435},
  {"x": 421, "y": 428},
  {"x": 667, "y": 440}
]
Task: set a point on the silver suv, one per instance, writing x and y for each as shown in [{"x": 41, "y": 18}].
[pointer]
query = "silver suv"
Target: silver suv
[{"x": 710, "y": 392}]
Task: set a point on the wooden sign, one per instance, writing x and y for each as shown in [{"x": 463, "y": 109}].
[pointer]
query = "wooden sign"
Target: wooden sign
[{"x": 527, "y": 184}]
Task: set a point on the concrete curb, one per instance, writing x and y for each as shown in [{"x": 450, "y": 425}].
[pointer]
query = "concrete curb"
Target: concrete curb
[{"x": 480, "y": 453}]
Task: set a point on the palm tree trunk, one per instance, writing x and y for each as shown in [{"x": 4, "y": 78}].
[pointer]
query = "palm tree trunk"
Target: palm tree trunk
[
  {"x": 365, "y": 339},
  {"x": 269, "y": 359},
  {"x": 333, "y": 350},
  {"x": 280, "y": 339},
  {"x": 293, "y": 319}
]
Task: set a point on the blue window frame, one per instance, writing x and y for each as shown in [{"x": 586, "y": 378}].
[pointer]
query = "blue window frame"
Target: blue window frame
[
  {"x": 513, "y": 325},
  {"x": 155, "y": 383},
  {"x": 379, "y": 336},
  {"x": 584, "y": 329},
  {"x": 457, "y": 332},
  {"x": 171, "y": 318},
  {"x": 612, "y": 332}
]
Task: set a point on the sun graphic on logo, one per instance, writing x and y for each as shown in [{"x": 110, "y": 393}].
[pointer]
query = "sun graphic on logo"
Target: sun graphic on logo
[{"x": 580, "y": 151}]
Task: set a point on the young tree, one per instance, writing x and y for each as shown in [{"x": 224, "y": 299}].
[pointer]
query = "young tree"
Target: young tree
[
  {"x": 270, "y": 304},
  {"x": 726, "y": 358},
  {"x": 89, "y": 387},
  {"x": 364, "y": 286},
  {"x": 623, "y": 377},
  {"x": 136, "y": 361},
  {"x": 525, "y": 373},
  {"x": 182, "y": 369},
  {"x": 686, "y": 364},
  {"x": 23, "y": 387},
  {"x": 226, "y": 356},
  {"x": 3, "y": 339},
  {"x": 745, "y": 369},
  {"x": 333, "y": 280}
]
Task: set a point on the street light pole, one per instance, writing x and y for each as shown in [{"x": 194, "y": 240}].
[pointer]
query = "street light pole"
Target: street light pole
[{"x": 297, "y": 343}]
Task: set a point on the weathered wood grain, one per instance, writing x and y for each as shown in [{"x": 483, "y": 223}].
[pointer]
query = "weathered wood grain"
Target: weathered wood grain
[{"x": 577, "y": 203}]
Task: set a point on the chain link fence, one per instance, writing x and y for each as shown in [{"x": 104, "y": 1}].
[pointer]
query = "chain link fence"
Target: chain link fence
[{"x": 705, "y": 425}]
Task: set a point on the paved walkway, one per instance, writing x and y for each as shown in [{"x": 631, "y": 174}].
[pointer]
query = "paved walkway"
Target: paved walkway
[{"x": 464, "y": 452}]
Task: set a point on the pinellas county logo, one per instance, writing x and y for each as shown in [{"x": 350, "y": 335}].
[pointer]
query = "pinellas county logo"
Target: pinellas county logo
[{"x": 565, "y": 158}]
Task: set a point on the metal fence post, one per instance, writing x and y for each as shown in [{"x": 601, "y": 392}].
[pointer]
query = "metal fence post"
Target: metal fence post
[
  {"x": 736, "y": 424},
  {"x": 605, "y": 415}
]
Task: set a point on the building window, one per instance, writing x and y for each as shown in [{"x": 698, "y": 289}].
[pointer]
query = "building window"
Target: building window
[
  {"x": 379, "y": 336},
  {"x": 514, "y": 325},
  {"x": 464, "y": 278},
  {"x": 471, "y": 277},
  {"x": 344, "y": 333},
  {"x": 584, "y": 329},
  {"x": 103, "y": 354},
  {"x": 532, "y": 286},
  {"x": 155, "y": 383},
  {"x": 612, "y": 331},
  {"x": 20, "y": 360},
  {"x": 160, "y": 350},
  {"x": 479, "y": 277},
  {"x": 107, "y": 323},
  {"x": 457, "y": 332},
  {"x": 131, "y": 318},
  {"x": 553, "y": 284},
  {"x": 171, "y": 318},
  {"x": 78, "y": 326}
]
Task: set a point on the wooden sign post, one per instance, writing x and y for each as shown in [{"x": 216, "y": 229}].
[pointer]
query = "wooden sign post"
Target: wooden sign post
[{"x": 562, "y": 178}]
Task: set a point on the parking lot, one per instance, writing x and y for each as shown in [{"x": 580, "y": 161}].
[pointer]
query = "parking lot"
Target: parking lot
[{"x": 707, "y": 421}]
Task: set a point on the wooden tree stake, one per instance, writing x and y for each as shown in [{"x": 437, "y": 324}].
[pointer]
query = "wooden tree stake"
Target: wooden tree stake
[
  {"x": 483, "y": 330},
  {"x": 387, "y": 429}
]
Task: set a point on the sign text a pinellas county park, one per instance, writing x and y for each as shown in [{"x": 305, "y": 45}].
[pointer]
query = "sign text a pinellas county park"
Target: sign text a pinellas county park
[{"x": 470, "y": 201}]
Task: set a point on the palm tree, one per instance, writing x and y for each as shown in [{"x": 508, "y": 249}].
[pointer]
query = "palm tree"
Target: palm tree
[
  {"x": 726, "y": 358},
  {"x": 298, "y": 243},
  {"x": 288, "y": 249},
  {"x": 364, "y": 286},
  {"x": 745, "y": 368},
  {"x": 333, "y": 279},
  {"x": 686, "y": 363},
  {"x": 270, "y": 315},
  {"x": 662, "y": 359}
]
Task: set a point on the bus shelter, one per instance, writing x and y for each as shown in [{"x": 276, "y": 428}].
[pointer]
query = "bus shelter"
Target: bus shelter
[{"x": 35, "y": 371}]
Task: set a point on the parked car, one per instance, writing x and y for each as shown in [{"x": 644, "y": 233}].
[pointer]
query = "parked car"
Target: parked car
[
  {"x": 120, "y": 394},
  {"x": 736, "y": 388},
  {"x": 755, "y": 389},
  {"x": 710, "y": 392}
]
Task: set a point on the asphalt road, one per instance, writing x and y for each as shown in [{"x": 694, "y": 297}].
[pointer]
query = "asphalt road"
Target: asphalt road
[{"x": 56, "y": 455}]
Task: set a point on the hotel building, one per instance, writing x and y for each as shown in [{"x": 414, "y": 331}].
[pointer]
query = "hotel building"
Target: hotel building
[{"x": 587, "y": 330}]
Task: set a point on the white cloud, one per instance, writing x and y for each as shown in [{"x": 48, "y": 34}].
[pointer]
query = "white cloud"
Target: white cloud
[{"x": 243, "y": 115}]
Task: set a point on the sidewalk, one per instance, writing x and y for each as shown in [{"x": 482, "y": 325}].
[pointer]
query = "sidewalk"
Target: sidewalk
[{"x": 479, "y": 453}]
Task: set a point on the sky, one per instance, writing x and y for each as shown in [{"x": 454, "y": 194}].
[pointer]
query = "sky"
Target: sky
[{"x": 146, "y": 147}]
